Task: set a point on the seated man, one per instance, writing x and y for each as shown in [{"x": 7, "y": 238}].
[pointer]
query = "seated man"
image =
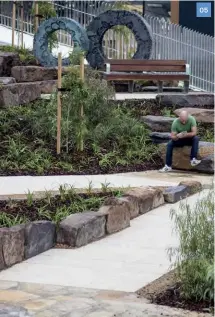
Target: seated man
[{"x": 184, "y": 130}]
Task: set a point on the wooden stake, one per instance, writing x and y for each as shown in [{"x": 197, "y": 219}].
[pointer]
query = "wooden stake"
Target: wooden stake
[
  {"x": 59, "y": 105},
  {"x": 13, "y": 22},
  {"x": 36, "y": 16},
  {"x": 82, "y": 67},
  {"x": 22, "y": 24},
  {"x": 82, "y": 107}
]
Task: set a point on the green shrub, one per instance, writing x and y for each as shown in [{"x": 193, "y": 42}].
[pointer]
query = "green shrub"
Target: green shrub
[
  {"x": 110, "y": 134},
  {"x": 195, "y": 254},
  {"x": 103, "y": 127}
]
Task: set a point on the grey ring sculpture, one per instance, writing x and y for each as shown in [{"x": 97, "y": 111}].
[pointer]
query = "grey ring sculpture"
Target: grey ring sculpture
[
  {"x": 105, "y": 21},
  {"x": 41, "y": 51}
]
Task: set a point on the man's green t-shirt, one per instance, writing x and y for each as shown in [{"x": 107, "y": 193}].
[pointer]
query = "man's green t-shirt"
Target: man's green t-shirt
[{"x": 179, "y": 127}]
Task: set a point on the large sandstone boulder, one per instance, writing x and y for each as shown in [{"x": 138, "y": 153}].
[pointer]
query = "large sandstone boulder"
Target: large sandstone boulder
[
  {"x": 13, "y": 240},
  {"x": 80, "y": 229},
  {"x": 19, "y": 94},
  {"x": 33, "y": 73},
  {"x": 181, "y": 157},
  {"x": 39, "y": 237},
  {"x": 201, "y": 115},
  {"x": 158, "y": 123},
  {"x": 180, "y": 100},
  {"x": 117, "y": 213},
  {"x": 7, "y": 61},
  {"x": 144, "y": 199}
]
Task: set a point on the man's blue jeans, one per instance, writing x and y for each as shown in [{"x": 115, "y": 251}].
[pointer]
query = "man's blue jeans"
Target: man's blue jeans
[{"x": 193, "y": 142}]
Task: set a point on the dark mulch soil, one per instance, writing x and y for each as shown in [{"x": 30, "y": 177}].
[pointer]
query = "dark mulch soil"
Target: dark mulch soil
[
  {"x": 38, "y": 209},
  {"x": 166, "y": 291},
  {"x": 92, "y": 168}
]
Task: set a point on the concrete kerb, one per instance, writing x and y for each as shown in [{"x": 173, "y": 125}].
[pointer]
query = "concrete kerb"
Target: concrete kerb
[{"x": 21, "y": 242}]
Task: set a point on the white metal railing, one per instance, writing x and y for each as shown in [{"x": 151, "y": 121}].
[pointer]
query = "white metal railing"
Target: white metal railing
[{"x": 170, "y": 41}]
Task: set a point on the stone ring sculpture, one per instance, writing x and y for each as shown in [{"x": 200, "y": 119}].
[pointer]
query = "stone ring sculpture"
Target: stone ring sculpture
[
  {"x": 91, "y": 41},
  {"x": 105, "y": 21},
  {"x": 41, "y": 51}
]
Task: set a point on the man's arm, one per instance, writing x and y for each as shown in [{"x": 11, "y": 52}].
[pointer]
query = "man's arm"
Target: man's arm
[
  {"x": 174, "y": 131},
  {"x": 190, "y": 134}
]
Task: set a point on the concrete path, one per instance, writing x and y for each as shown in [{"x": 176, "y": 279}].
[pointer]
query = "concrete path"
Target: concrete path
[
  {"x": 121, "y": 96},
  {"x": 141, "y": 96},
  {"x": 12, "y": 185},
  {"x": 125, "y": 261}
]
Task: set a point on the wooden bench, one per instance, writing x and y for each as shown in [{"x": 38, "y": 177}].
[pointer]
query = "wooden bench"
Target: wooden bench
[{"x": 159, "y": 70}]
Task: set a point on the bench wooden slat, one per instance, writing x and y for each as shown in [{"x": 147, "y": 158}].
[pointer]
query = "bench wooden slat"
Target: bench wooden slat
[
  {"x": 121, "y": 76},
  {"x": 148, "y": 68},
  {"x": 145, "y": 62}
]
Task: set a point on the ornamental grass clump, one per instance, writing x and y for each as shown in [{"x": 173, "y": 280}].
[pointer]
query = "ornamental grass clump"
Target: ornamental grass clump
[{"x": 194, "y": 258}]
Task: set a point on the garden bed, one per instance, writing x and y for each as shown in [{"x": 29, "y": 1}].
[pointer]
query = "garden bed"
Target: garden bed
[
  {"x": 191, "y": 283},
  {"x": 27, "y": 148},
  {"x": 166, "y": 291},
  {"x": 52, "y": 208}
]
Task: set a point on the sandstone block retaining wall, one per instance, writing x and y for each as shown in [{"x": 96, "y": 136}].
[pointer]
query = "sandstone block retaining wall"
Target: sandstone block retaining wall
[{"x": 24, "y": 241}]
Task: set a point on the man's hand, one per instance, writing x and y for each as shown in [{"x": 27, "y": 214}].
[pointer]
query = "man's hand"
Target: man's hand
[
  {"x": 174, "y": 136},
  {"x": 182, "y": 135}
]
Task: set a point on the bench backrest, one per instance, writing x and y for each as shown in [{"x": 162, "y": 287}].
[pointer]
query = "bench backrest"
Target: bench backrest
[{"x": 136, "y": 65}]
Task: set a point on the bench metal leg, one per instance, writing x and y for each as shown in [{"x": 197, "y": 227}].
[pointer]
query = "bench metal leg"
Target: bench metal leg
[
  {"x": 160, "y": 86},
  {"x": 186, "y": 86},
  {"x": 130, "y": 86}
]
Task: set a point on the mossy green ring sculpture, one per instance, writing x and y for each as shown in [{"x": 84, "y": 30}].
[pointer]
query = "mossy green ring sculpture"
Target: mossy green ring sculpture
[{"x": 41, "y": 51}]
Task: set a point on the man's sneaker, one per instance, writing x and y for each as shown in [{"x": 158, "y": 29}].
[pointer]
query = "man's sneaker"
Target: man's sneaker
[
  {"x": 166, "y": 169},
  {"x": 195, "y": 162}
]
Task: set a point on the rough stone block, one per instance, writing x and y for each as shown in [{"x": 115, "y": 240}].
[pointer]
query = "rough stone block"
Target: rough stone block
[
  {"x": 48, "y": 86},
  {"x": 206, "y": 165},
  {"x": 180, "y": 100},
  {"x": 80, "y": 229},
  {"x": 13, "y": 244},
  {"x": 175, "y": 193},
  {"x": 33, "y": 73},
  {"x": 201, "y": 115},
  {"x": 132, "y": 206},
  {"x": 7, "y": 61},
  {"x": 160, "y": 137},
  {"x": 117, "y": 212},
  {"x": 7, "y": 80},
  {"x": 145, "y": 199},
  {"x": 193, "y": 186},
  {"x": 39, "y": 237},
  {"x": 19, "y": 94},
  {"x": 158, "y": 123},
  {"x": 181, "y": 157},
  {"x": 2, "y": 264}
]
